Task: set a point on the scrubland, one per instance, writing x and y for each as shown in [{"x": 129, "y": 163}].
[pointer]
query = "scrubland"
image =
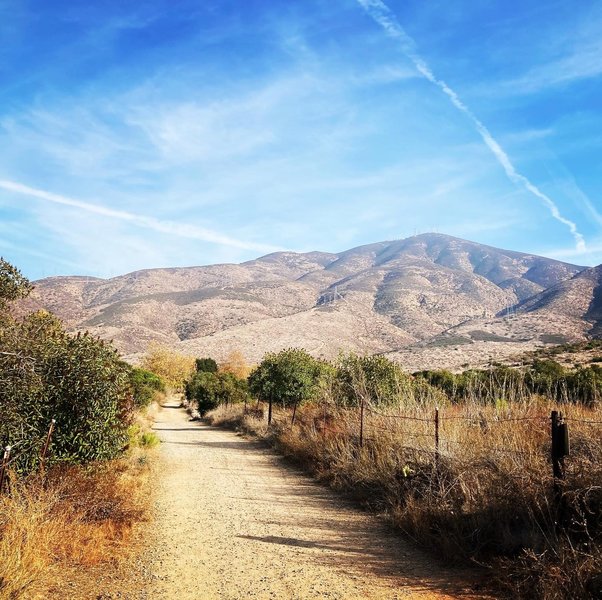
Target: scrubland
[{"x": 487, "y": 496}]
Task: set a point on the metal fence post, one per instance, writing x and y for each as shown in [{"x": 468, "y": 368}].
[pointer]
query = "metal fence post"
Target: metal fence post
[
  {"x": 3, "y": 466},
  {"x": 436, "y": 435},
  {"x": 362, "y": 405}
]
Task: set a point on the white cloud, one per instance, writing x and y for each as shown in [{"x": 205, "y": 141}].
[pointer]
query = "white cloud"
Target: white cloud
[
  {"x": 381, "y": 13},
  {"x": 591, "y": 257},
  {"x": 582, "y": 62},
  {"x": 168, "y": 227}
]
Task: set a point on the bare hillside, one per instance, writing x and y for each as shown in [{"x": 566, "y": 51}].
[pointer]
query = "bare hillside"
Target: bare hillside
[{"x": 399, "y": 296}]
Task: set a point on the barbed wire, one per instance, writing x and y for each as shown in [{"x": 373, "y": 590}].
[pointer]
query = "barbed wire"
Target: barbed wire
[
  {"x": 399, "y": 432},
  {"x": 488, "y": 448},
  {"x": 586, "y": 421},
  {"x": 406, "y": 417},
  {"x": 443, "y": 417}
]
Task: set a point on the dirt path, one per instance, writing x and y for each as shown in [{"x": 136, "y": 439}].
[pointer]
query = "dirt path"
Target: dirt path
[{"x": 233, "y": 522}]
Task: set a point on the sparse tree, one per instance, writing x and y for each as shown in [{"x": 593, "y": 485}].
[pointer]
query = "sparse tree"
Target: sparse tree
[
  {"x": 174, "y": 368},
  {"x": 236, "y": 364}
]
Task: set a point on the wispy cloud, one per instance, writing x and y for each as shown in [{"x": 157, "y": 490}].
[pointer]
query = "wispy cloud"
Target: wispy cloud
[
  {"x": 168, "y": 227},
  {"x": 592, "y": 256},
  {"x": 584, "y": 64},
  {"x": 381, "y": 13},
  {"x": 45, "y": 256}
]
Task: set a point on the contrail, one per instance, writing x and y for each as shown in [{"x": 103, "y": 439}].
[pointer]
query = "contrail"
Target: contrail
[
  {"x": 383, "y": 15},
  {"x": 170, "y": 227}
]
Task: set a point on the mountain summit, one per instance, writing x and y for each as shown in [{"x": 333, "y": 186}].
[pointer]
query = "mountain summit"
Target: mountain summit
[{"x": 429, "y": 291}]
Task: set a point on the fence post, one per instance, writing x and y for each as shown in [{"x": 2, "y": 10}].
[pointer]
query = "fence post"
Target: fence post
[
  {"x": 436, "y": 435},
  {"x": 47, "y": 445},
  {"x": 294, "y": 413},
  {"x": 560, "y": 445},
  {"x": 362, "y": 405},
  {"x": 560, "y": 449},
  {"x": 270, "y": 411},
  {"x": 3, "y": 466}
]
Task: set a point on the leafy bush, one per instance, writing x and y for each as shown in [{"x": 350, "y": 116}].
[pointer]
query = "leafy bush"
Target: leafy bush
[
  {"x": 145, "y": 386},
  {"x": 503, "y": 384},
  {"x": 205, "y": 365},
  {"x": 376, "y": 379},
  {"x": 289, "y": 377},
  {"x": 47, "y": 374},
  {"x": 209, "y": 390},
  {"x": 203, "y": 388}
]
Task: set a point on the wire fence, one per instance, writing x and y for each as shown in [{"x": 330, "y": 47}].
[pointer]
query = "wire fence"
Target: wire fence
[{"x": 546, "y": 436}]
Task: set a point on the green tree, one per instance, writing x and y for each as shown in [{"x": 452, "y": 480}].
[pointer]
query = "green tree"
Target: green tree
[
  {"x": 290, "y": 377},
  {"x": 205, "y": 365},
  {"x": 13, "y": 285},
  {"x": 204, "y": 388},
  {"x": 210, "y": 390}
]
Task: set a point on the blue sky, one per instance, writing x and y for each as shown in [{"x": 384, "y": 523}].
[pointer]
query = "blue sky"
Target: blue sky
[{"x": 140, "y": 135}]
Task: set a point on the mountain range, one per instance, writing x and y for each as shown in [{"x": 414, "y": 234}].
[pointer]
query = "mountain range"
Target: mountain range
[{"x": 430, "y": 300}]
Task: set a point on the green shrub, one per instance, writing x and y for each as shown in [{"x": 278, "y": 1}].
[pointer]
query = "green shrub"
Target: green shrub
[
  {"x": 209, "y": 390},
  {"x": 145, "y": 386},
  {"x": 47, "y": 374},
  {"x": 149, "y": 439},
  {"x": 205, "y": 365},
  {"x": 374, "y": 378},
  {"x": 289, "y": 377}
]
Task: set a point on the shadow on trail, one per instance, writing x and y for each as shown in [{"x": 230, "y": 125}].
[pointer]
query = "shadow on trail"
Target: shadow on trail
[{"x": 331, "y": 532}]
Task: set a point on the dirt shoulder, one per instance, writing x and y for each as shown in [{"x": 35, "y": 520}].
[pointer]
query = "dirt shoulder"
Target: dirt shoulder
[{"x": 232, "y": 521}]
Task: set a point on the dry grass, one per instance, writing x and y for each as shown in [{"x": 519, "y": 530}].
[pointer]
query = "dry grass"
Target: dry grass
[
  {"x": 489, "y": 496},
  {"x": 75, "y": 518}
]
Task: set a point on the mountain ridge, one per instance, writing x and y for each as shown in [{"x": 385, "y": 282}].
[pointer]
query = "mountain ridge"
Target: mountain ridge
[{"x": 377, "y": 297}]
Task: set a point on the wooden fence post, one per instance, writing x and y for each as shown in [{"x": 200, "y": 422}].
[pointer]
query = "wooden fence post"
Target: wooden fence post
[
  {"x": 436, "y": 435},
  {"x": 47, "y": 445},
  {"x": 560, "y": 445},
  {"x": 294, "y": 413},
  {"x": 270, "y": 411},
  {"x": 4, "y": 466},
  {"x": 560, "y": 449}
]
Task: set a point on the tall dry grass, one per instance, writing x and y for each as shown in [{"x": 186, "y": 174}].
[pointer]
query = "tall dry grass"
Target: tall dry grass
[
  {"x": 489, "y": 495},
  {"x": 71, "y": 519}
]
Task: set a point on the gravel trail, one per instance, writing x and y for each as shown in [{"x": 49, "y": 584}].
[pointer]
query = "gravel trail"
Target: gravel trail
[{"x": 232, "y": 521}]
